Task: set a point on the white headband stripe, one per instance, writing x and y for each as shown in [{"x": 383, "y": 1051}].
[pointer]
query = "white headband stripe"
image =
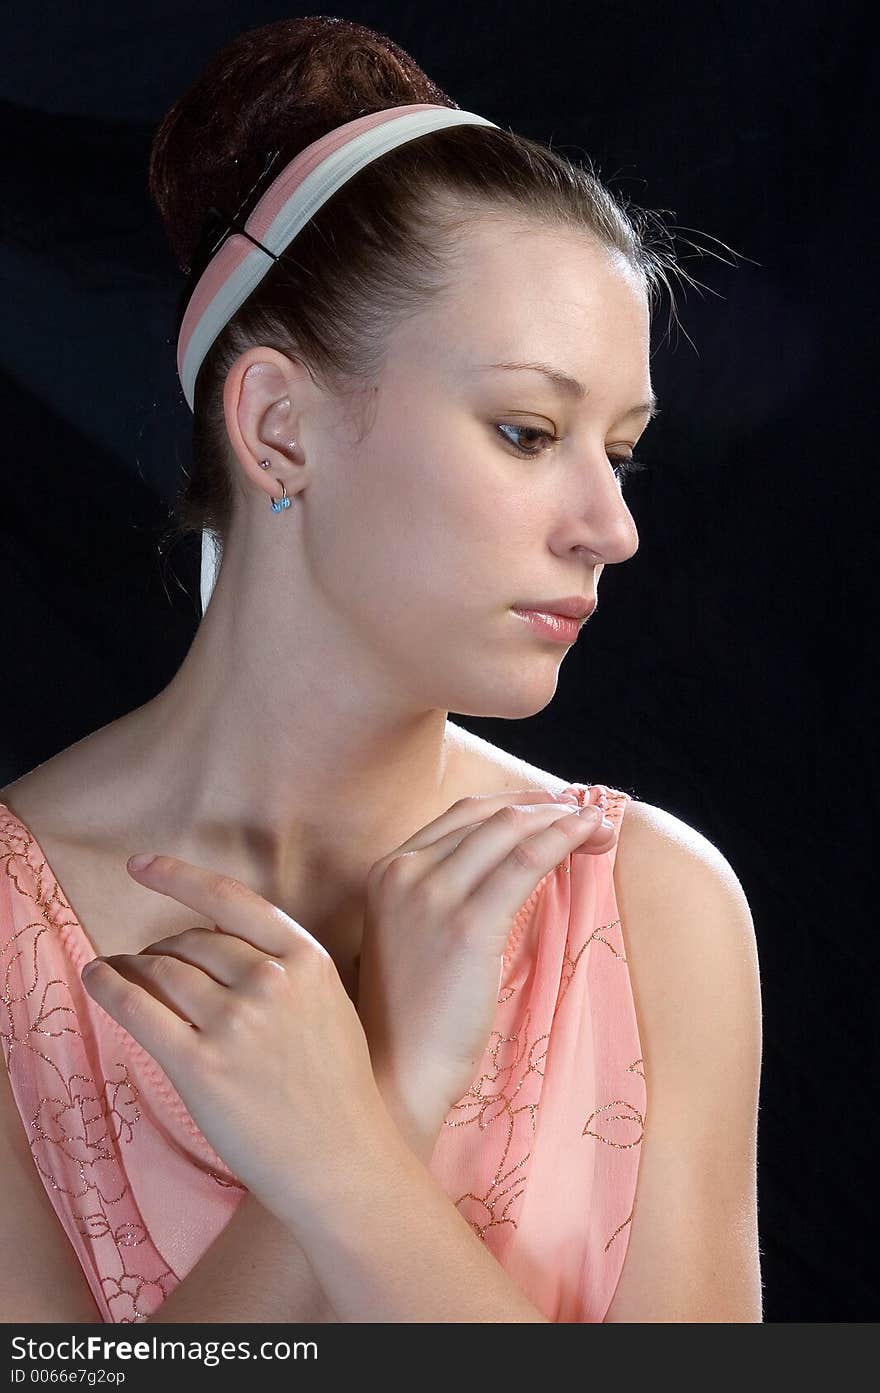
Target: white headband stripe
[{"x": 303, "y": 203}]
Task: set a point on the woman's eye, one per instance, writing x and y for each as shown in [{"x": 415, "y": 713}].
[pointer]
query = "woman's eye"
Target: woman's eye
[
  {"x": 624, "y": 465},
  {"x": 526, "y": 430}
]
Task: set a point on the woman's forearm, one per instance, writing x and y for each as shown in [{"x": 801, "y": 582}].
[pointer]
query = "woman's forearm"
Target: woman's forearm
[
  {"x": 254, "y": 1271},
  {"x": 391, "y": 1246}
]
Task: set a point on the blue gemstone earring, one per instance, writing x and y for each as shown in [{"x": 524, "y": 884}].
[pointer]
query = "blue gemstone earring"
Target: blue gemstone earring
[
  {"x": 283, "y": 502},
  {"x": 278, "y": 504}
]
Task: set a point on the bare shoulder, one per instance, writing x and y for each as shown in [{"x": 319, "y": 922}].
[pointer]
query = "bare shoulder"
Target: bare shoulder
[
  {"x": 659, "y": 855},
  {"x": 681, "y": 903},
  {"x": 82, "y": 794},
  {"x": 673, "y": 882},
  {"x": 55, "y": 793},
  {"x": 689, "y": 933},
  {"x": 686, "y": 924}
]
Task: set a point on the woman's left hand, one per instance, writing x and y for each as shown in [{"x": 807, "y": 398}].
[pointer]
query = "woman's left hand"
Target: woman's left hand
[{"x": 254, "y": 1028}]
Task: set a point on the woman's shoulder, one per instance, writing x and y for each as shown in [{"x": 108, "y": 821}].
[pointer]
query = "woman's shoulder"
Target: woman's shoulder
[
  {"x": 654, "y": 847},
  {"x": 79, "y": 794},
  {"x": 692, "y": 956},
  {"x": 681, "y": 904},
  {"x": 663, "y": 863}
]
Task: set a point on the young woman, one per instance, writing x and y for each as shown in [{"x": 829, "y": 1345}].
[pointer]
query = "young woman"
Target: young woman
[{"x": 388, "y": 1031}]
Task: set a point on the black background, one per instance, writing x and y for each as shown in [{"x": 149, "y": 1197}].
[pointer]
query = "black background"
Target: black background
[{"x": 724, "y": 676}]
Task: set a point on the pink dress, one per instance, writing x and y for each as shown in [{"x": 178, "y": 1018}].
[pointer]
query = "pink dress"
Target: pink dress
[{"x": 541, "y": 1154}]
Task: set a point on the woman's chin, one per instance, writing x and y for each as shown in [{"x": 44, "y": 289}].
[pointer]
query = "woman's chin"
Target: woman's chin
[{"x": 514, "y": 699}]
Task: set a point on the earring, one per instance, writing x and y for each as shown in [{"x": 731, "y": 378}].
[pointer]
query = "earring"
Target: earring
[
  {"x": 278, "y": 504},
  {"x": 283, "y": 502}
]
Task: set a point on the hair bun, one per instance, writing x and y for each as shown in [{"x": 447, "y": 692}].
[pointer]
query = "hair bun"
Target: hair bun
[{"x": 281, "y": 86}]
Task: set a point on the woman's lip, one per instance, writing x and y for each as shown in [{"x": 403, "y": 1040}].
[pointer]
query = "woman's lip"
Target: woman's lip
[
  {"x": 575, "y": 608},
  {"x": 554, "y": 614},
  {"x": 560, "y": 628}
]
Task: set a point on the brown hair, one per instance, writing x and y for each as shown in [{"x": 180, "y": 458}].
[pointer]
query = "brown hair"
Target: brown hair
[{"x": 381, "y": 246}]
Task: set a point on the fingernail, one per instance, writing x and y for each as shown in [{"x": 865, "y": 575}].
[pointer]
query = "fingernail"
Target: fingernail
[{"x": 139, "y": 862}]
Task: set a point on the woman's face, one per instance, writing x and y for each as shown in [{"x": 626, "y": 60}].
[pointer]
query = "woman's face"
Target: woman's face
[{"x": 422, "y": 536}]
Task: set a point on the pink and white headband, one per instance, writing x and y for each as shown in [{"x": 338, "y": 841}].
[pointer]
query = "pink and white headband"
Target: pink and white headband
[{"x": 286, "y": 206}]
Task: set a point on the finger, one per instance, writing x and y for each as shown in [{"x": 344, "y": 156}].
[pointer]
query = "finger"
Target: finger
[
  {"x": 467, "y": 859},
  {"x": 461, "y": 859},
  {"x": 225, "y": 957},
  {"x": 468, "y": 812},
  {"x": 157, "y": 1028},
  {"x": 180, "y": 986},
  {"x": 232, "y": 906},
  {"x": 432, "y": 854},
  {"x": 601, "y": 831},
  {"x": 512, "y": 864},
  {"x": 603, "y": 838}
]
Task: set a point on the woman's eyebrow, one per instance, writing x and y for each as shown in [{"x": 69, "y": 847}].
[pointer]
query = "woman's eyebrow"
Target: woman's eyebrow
[{"x": 570, "y": 386}]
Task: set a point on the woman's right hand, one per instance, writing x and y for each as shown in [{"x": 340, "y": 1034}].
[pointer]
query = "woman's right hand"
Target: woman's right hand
[{"x": 439, "y": 913}]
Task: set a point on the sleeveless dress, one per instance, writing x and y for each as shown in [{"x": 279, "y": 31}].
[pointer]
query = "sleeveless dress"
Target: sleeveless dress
[{"x": 540, "y": 1155}]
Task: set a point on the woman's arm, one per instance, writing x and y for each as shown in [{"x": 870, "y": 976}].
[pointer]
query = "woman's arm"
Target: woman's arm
[
  {"x": 693, "y": 1252},
  {"x": 388, "y": 1244},
  {"x": 254, "y": 1271}
]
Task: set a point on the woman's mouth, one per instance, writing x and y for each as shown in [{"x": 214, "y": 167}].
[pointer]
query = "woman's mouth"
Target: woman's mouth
[{"x": 556, "y": 627}]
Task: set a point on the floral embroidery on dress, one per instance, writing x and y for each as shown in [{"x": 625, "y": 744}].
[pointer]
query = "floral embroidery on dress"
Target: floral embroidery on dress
[{"x": 75, "y": 1131}]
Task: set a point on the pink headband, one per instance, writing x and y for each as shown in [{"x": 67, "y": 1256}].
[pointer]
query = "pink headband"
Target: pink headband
[{"x": 286, "y": 206}]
